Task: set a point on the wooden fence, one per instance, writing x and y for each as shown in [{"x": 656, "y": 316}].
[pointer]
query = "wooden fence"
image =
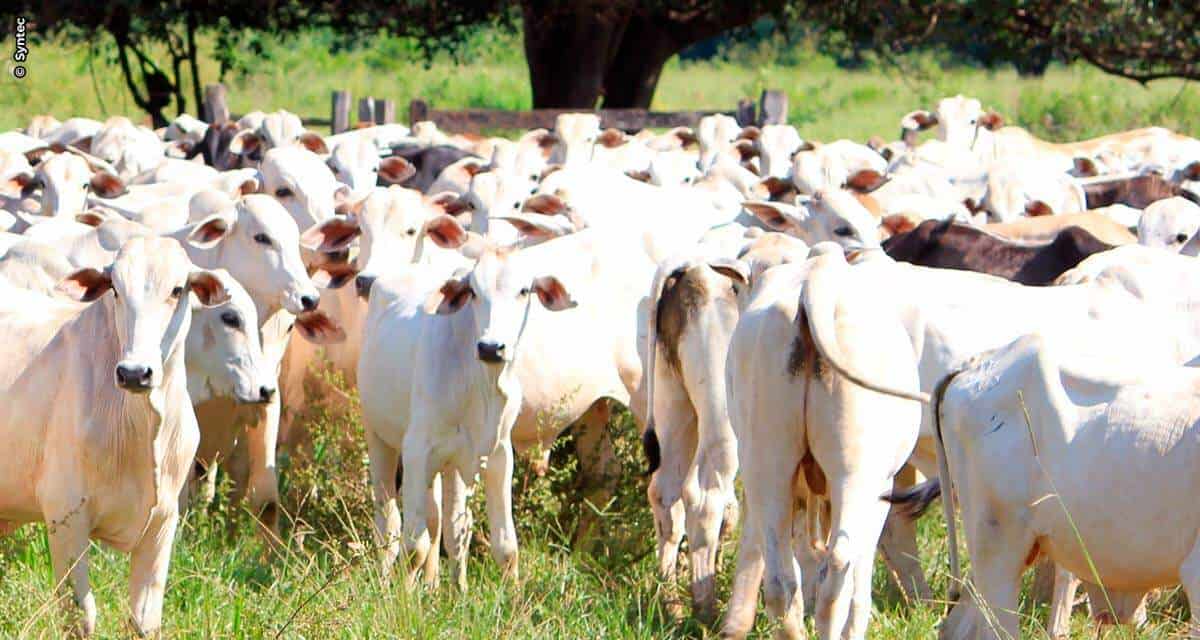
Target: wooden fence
[{"x": 771, "y": 108}]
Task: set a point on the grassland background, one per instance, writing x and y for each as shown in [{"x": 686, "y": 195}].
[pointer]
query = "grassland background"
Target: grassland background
[{"x": 324, "y": 584}]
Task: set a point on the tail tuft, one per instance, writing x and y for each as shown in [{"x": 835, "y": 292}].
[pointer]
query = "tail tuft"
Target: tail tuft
[
  {"x": 912, "y": 502},
  {"x": 651, "y": 449}
]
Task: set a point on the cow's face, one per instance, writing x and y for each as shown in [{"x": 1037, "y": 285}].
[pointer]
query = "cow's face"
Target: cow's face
[
  {"x": 224, "y": 355},
  {"x": 66, "y": 180},
  {"x": 674, "y": 168},
  {"x": 494, "y": 194},
  {"x": 776, "y": 143},
  {"x": 1169, "y": 224},
  {"x": 129, "y": 148},
  {"x": 501, "y": 288},
  {"x": 815, "y": 170},
  {"x": 356, "y": 164},
  {"x": 958, "y": 120},
  {"x": 576, "y": 135},
  {"x": 259, "y": 244},
  {"x": 302, "y": 183},
  {"x": 150, "y": 279},
  {"x": 828, "y": 216},
  {"x": 716, "y": 134}
]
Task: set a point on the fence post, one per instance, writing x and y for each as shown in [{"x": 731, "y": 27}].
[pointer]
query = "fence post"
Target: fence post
[
  {"x": 385, "y": 111},
  {"x": 216, "y": 110},
  {"x": 773, "y": 107},
  {"x": 745, "y": 112},
  {"x": 366, "y": 110},
  {"x": 339, "y": 121},
  {"x": 418, "y": 110}
]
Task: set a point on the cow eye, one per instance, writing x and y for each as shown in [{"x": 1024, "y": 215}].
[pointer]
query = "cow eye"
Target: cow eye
[
  {"x": 411, "y": 232},
  {"x": 231, "y": 320},
  {"x": 283, "y": 192},
  {"x": 533, "y": 176},
  {"x": 262, "y": 238},
  {"x": 374, "y": 169},
  {"x": 176, "y": 292},
  {"x": 523, "y": 292},
  {"x": 844, "y": 232},
  {"x": 516, "y": 205},
  {"x": 1181, "y": 237}
]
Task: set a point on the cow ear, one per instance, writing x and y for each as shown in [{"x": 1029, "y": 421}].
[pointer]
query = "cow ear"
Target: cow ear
[
  {"x": 778, "y": 188},
  {"x": 972, "y": 206},
  {"x": 244, "y": 143},
  {"x": 807, "y": 145},
  {"x": 611, "y": 138},
  {"x": 1192, "y": 171},
  {"x": 776, "y": 215},
  {"x": 552, "y": 294},
  {"x": 335, "y": 234},
  {"x": 735, "y": 270},
  {"x": 450, "y": 298},
  {"x": 446, "y": 232},
  {"x": 91, "y": 217},
  {"x": 548, "y": 139},
  {"x": 209, "y": 231},
  {"x": 865, "y": 181},
  {"x": 918, "y": 120},
  {"x": 876, "y": 144},
  {"x": 394, "y": 170},
  {"x": 85, "y": 285},
  {"x": 318, "y": 328},
  {"x": 179, "y": 149},
  {"x": 640, "y": 176},
  {"x": 1036, "y": 208},
  {"x": 452, "y": 204},
  {"x": 23, "y": 183},
  {"x": 536, "y": 228},
  {"x": 334, "y": 274},
  {"x": 474, "y": 168},
  {"x": 106, "y": 185},
  {"x": 545, "y": 204},
  {"x": 83, "y": 144},
  {"x": 751, "y": 133},
  {"x": 686, "y": 136},
  {"x": 313, "y": 143},
  {"x": 1085, "y": 168},
  {"x": 347, "y": 207},
  {"x": 745, "y": 149},
  {"x": 897, "y": 224},
  {"x": 209, "y": 289},
  {"x": 248, "y": 186},
  {"x": 991, "y": 121}
]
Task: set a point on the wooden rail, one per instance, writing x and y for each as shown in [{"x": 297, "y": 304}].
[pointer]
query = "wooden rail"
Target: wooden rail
[{"x": 771, "y": 109}]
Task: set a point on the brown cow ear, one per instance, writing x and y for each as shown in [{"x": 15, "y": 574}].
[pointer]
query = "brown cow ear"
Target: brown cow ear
[
  {"x": 474, "y": 168},
  {"x": 452, "y": 204},
  {"x": 1192, "y": 171},
  {"x": 686, "y": 136},
  {"x": 1085, "y": 168},
  {"x": 313, "y": 143},
  {"x": 807, "y": 145},
  {"x": 335, "y": 234},
  {"x": 91, "y": 218},
  {"x": 333, "y": 274},
  {"x": 972, "y": 206},
  {"x": 865, "y": 181},
  {"x": 106, "y": 185},
  {"x": 779, "y": 189},
  {"x": 83, "y": 144},
  {"x": 640, "y": 176},
  {"x": 450, "y": 298},
  {"x": 552, "y": 294},
  {"x": 209, "y": 289},
  {"x": 318, "y": 328},
  {"x": 750, "y": 133},
  {"x": 991, "y": 121},
  {"x": 545, "y": 204},
  {"x": 746, "y": 149},
  {"x": 775, "y": 215},
  {"x": 85, "y": 285},
  {"x": 1038, "y": 208},
  {"x": 611, "y": 138},
  {"x": 209, "y": 232},
  {"x": 244, "y": 143},
  {"x": 446, "y": 232},
  {"x": 735, "y": 270},
  {"x": 548, "y": 139},
  {"x": 897, "y": 224}
]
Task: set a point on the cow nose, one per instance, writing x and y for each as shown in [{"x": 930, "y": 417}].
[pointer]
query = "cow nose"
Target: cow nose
[
  {"x": 309, "y": 303},
  {"x": 362, "y": 284},
  {"x": 490, "y": 351},
  {"x": 265, "y": 393},
  {"x": 134, "y": 377}
]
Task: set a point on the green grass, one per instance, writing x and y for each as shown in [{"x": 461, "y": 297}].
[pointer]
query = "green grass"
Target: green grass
[{"x": 825, "y": 102}]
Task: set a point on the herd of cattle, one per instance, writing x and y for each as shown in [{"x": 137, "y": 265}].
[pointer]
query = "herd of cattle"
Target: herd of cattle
[{"x": 834, "y": 319}]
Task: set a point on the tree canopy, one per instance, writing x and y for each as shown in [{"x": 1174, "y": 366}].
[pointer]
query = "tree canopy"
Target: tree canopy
[{"x": 588, "y": 53}]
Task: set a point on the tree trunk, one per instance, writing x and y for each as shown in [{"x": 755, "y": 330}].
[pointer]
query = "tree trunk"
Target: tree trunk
[
  {"x": 568, "y": 52},
  {"x": 633, "y": 75}
]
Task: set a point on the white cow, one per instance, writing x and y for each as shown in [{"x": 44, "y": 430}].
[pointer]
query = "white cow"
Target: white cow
[
  {"x": 301, "y": 181},
  {"x": 1170, "y": 224},
  {"x": 575, "y": 135},
  {"x": 97, "y": 421},
  {"x": 717, "y": 135},
  {"x": 127, "y": 147}
]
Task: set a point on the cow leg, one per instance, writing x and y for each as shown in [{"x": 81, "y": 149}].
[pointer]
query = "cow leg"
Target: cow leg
[
  {"x": 856, "y": 520},
  {"x": 809, "y": 542},
  {"x": 433, "y": 511},
  {"x": 456, "y": 524},
  {"x": 206, "y": 478},
  {"x": 68, "y": 535},
  {"x": 998, "y": 549},
  {"x": 263, "y": 485},
  {"x": 384, "y": 461},
  {"x": 747, "y": 578},
  {"x": 675, "y": 430},
  {"x": 149, "y": 562},
  {"x": 707, "y": 491},
  {"x": 594, "y": 448},
  {"x": 498, "y": 487},
  {"x": 1058, "y": 624},
  {"x": 416, "y": 487},
  {"x": 1115, "y": 607},
  {"x": 1189, "y": 577},
  {"x": 898, "y": 542},
  {"x": 773, "y": 493}
]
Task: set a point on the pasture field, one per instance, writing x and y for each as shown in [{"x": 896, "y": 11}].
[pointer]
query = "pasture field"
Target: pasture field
[{"x": 323, "y": 581}]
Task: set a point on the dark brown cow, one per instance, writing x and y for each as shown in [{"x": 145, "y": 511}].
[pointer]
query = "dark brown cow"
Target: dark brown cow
[
  {"x": 949, "y": 245},
  {"x": 429, "y": 162},
  {"x": 1138, "y": 192}
]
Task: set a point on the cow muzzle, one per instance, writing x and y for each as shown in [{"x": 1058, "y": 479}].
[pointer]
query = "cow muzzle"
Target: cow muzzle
[
  {"x": 490, "y": 351},
  {"x": 362, "y": 285},
  {"x": 136, "y": 378}
]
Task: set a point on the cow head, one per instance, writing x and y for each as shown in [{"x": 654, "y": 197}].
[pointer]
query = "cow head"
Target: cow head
[
  {"x": 575, "y": 135},
  {"x": 224, "y": 354},
  {"x": 834, "y": 215},
  {"x": 673, "y": 168},
  {"x": 259, "y": 244},
  {"x": 301, "y": 181},
  {"x": 776, "y": 143},
  {"x": 151, "y": 279},
  {"x": 1169, "y": 224},
  {"x": 127, "y": 147},
  {"x": 502, "y": 289},
  {"x": 66, "y": 180},
  {"x": 716, "y": 134}
]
